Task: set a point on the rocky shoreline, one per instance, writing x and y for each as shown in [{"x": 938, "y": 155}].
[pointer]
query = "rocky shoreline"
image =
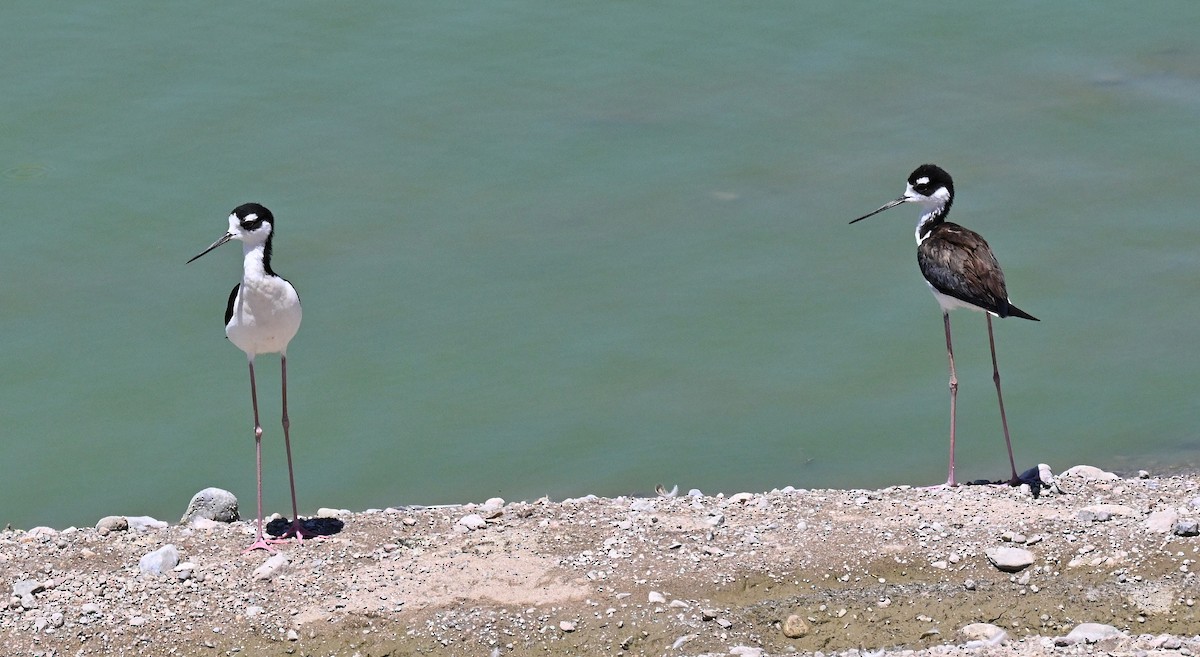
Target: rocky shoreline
[{"x": 1096, "y": 563}]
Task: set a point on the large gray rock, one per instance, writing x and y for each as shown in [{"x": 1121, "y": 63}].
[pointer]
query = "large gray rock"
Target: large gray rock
[
  {"x": 1093, "y": 515},
  {"x": 24, "y": 590},
  {"x": 1089, "y": 633},
  {"x": 1010, "y": 559},
  {"x": 160, "y": 561},
  {"x": 109, "y": 524},
  {"x": 41, "y": 533},
  {"x": 1187, "y": 528},
  {"x": 983, "y": 635},
  {"x": 794, "y": 626},
  {"x": 1161, "y": 522},
  {"x": 212, "y": 504},
  {"x": 493, "y": 508},
  {"x": 24, "y": 587},
  {"x": 472, "y": 521},
  {"x": 144, "y": 523},
  {"x": 1105, "y": 512},
  {"x": 1089, "y": 472},
  {"x": 274, "y": 565}
]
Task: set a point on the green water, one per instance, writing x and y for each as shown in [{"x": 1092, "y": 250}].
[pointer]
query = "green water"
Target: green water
[{"x": 570, "y": 248}]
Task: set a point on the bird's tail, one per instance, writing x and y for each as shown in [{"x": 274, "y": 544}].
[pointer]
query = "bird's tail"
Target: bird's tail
[{"x": 1014, "y": 311}]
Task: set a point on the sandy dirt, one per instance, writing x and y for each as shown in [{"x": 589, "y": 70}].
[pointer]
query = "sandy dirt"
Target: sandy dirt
[{"x": 787, "y": 571}]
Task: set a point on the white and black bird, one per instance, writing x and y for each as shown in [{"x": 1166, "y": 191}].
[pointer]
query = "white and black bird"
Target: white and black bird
[
  {"x": 961, "y": 271},
  {"x": 261, "y": 317}
]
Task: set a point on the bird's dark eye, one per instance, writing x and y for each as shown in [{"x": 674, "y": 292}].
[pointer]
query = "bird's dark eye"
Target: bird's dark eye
[{"x": 251, "y": 223}]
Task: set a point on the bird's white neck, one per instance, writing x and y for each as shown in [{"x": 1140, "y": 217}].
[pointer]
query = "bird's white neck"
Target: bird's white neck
[{"x": 254, "y": 261}]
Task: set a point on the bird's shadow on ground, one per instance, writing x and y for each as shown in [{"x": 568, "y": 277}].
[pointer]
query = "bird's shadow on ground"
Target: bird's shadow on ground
[
  {"x": 1032, "y": 477},
  {"x": 312, "y": 526}
]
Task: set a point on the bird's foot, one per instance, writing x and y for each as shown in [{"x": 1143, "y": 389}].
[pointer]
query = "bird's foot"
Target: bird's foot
[
  {"x": 1032, "y": 476},
  {"x": 260, "y": 544},
  {"x": 297, "y": 531},
  {"x": 281, "y": 530}
]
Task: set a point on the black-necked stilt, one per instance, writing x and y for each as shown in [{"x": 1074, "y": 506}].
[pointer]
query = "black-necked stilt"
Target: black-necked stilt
[
  {"x": 261, "y": 317},
  {"x": 961, "y": 271}
]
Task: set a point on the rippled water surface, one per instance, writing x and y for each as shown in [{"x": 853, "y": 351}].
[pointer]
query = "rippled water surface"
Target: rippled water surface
[{"x": 566, "y": 249}]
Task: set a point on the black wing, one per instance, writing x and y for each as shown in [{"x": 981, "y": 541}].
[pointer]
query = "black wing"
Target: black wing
[{"x": 229, "y": 304}]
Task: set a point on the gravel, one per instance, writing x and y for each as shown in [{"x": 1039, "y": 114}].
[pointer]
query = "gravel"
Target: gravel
[{"x": 840, "y": 572}]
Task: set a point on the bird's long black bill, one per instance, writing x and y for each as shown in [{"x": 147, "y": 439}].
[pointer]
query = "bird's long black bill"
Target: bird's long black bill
[
  {"x": 224, "y": 238},
  {"x": 887, "y": 206}
]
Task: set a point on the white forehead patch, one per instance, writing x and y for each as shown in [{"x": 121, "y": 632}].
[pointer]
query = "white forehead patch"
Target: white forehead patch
[{"x": 923, "y": 180}]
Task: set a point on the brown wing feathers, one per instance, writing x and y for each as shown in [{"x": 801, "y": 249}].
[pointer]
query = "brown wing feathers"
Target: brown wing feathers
[{"x": 958, "y": 263}]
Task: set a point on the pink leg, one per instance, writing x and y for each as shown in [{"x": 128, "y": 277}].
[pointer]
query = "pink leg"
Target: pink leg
[
  {"x": 260, "y": 542},
  {"x": 953, "y": 398},
  {"x": 999, "y": 397},
  {"x": 296, "y": 529}
]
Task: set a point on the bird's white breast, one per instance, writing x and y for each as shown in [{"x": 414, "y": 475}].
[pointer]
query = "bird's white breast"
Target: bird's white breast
[{"x": 266, "y": 315}]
